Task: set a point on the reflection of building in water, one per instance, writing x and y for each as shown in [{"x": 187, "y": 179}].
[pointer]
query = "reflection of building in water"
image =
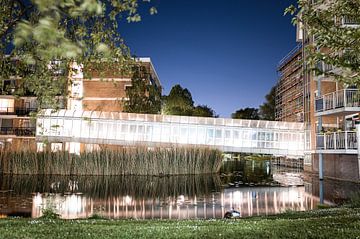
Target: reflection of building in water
[
  {"x": 249, "y": 201},
  {"x": 331, "y": 191},
  {"x": 15, "y": 205}
]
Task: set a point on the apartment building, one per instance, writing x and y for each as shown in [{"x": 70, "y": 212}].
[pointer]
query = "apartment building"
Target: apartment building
[
  {"x": 289, "y": 100},
  {"x": 329, "y": 110},
  {"x": 105, "y": 90},
  {"x": 88, "y": 89},
  {"x": 17, "y": 128}
]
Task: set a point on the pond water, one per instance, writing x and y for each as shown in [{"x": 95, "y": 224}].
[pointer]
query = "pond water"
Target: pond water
[{"x": 251, "y": 187}]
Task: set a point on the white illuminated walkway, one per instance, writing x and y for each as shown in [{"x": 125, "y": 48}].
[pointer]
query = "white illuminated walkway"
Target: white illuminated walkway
[{"x": 229, "y": 135}]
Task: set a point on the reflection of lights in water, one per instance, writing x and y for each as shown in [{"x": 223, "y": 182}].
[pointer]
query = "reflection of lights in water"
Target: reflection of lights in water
[
  {"x": 294, "y": 196},
  {"x": 180, "y": 200},
  {"x": 249, "y": 201},
  {"x": 127, "y": 200},
  {"x": 267, "y": 168},
  {"x": 55, "y": 185},
  {"x": 37, "y": 200},
  {"x": 237, "y": 197},
  {"x": 73, "y": 204},
  {"x": 73, "y": 185}
]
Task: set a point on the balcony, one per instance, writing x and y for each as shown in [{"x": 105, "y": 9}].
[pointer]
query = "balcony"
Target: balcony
[
  {"x": 348, "y": 21},
  {"x": 344, "y": 142},
  {"x": 16, "y": 111},
  {"x": 328, "y": 70},
  {"x": 18, "y": 131},
  {"x": 339, "y": 103}
]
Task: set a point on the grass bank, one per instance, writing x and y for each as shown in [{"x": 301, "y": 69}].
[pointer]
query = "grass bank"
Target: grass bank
[
  {"x": 124, "y": 161},
  {"x": 325, "y": 223}
]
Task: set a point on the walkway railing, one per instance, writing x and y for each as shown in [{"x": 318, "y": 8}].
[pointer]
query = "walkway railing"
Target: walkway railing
[
  {"x": 344, "y": 140},
  {"x": 16, "y": 111},
  {"x": 349, "y": 21},
  {"x": 18, "y": 131},
  {"x": 229, "y": 135},
  {"x": 338, "y": 99}
]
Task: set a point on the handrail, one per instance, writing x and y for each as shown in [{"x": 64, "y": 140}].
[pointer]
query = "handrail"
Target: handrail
[
  {"x": 16, "y": 110},
  {"x": 342, "y": 140},
  {"x": 346, "y": 20},
  {"x": 18, "y": 131},
  {"x": 338, "y": 99},
  {"x": 286, "y": 59}
]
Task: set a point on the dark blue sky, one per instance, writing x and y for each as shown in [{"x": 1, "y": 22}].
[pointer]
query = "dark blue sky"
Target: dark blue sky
[{"x": 225, "y": 51}]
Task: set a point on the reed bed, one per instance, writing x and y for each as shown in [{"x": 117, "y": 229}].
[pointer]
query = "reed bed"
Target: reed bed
[{"x": 124, "y": 161}]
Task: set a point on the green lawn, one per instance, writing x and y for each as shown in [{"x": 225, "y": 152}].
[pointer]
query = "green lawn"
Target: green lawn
[{"x": 325, "y": 223}]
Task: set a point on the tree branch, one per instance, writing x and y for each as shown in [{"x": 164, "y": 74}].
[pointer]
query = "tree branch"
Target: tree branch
[{"x": 12, "y": 23}]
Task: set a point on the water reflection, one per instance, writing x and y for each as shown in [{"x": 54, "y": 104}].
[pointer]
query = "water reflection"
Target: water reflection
[
  {"x": 259, "y": 201},
  {"x": 330, "y": 191},
  {"x": 253, "y": 188}
]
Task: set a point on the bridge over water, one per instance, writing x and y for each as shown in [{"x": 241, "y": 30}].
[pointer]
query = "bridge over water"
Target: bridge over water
[{"x": 229, "y": 135}]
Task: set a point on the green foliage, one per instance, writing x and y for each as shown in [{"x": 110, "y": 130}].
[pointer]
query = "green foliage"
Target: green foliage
[
  {"x": 36, "y": 32},
  {"x": 97, "y": 217},
  {"x": 323, "y": 206},
  {"x": 180, "y": 102},
  {"x": 49, "y": 213},
  {"x": 246, "y": 113},
  {"x": 330, "y": 223},
  {"x": 203, "y": 111},
  {"x": 267, "y": 110},
  {"x": 330, "y": 41},
  {"x": 354, "y": 201},
  {"x": 143, "y": 97}
]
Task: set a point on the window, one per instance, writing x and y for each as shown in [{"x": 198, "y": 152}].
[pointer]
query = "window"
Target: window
[{"x": 218, "y": 133}]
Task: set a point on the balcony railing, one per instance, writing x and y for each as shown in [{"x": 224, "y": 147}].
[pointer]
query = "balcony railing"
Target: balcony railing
[
  {"x": 338, "y": 99},
  {"x": 349, "y": 21},
  {"x": 16, "y": 111},
  {"x": 344, "y": 140},
  {"x": 18, "y": 131}
]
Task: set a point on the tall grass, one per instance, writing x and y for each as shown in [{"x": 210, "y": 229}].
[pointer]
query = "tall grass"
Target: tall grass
[{"x": 124, "y": 161}]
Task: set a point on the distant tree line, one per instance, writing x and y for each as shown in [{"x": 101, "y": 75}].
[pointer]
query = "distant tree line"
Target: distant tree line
[
  {"x": 180, "y": 102},
  {"x": 146, "y": 98},
  {"x": 266, "y": 111}
]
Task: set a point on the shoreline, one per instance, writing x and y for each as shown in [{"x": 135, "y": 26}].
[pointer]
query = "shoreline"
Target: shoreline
[{"x": 334, "y": 222}]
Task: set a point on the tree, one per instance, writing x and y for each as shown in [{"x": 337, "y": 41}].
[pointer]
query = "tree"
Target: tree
[
  {"x": 142, "y": 96},
  {"x": 336, "y": 39},
  {"x": 178, "y": 102},
  {"x": 267, "y": 110},
  {"x": 246, "y": 113},
  {"x": 34, "y": 33},
  {"x": 203, "y": 111}
]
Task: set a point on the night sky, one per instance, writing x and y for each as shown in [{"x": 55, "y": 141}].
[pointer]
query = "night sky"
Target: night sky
[{"x": 224, "y": 51}]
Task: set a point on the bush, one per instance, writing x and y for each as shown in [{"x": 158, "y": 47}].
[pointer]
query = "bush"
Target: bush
[{"x": 49, "y": 213}]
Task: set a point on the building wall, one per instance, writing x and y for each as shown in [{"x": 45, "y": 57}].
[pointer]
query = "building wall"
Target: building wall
[
  {"x": 339, "y": 166},
  {"x": 103, "y": 105},
  {"x": 106, "y": 89},
  {"x": 289, "y": 89},
  {"x": 94, "y": 88}
]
